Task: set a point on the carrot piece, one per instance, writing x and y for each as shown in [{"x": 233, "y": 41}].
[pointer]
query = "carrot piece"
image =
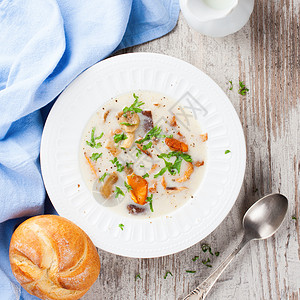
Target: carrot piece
[
  {"x": 139, "y": 190},
  {"x": 90, "y": 163},
  {"x": 176, "y": 145},
  {"x": 204, "y": 137}
]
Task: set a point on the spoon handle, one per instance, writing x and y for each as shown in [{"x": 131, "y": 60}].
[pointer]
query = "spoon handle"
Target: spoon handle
[{"x": 202, "y": 290}]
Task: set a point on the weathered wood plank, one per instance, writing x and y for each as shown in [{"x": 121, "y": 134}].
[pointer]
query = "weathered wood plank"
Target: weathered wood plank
[{"x": 266, "y": 55}]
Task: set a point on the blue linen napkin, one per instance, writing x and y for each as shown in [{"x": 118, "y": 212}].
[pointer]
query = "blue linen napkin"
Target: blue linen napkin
[{"x": 44, "y": 45}]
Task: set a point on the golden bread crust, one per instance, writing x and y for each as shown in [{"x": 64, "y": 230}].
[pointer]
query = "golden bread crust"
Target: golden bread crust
[{"x": 52, "y": 258}]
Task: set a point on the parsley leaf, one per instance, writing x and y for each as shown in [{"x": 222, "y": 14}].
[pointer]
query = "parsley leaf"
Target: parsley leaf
[
  {"x": 139, "y": 152},
  {"x": 129, "y": 187},
  {"x": 206, "y": 263},
  {"x": 121, "y": 226},
  {"x": 217, "y": 253},
  {"x": 128, "y": 164},
  {"x": 188, "y": 271},
  {"x": 135, "y": 106},
  {"x": 206, "y": 247},
  {"x": 119, "y": 166},
  {"x": 243, "y": 90},
  {"x": 227, "y": 151},
  {"x": 161, "y": 172},
  {"x": 231, "y": 85},
  {"x": 294, "y": 218},
  {"x": 120, "y": 137},
  {"x": 145, "y": 176},
  {"x": 138, "y": 276},
  {"x": 127, "y": 124},
  {"x": 185, "y": 156},
  {"x": 168, "y": 272},
  {"x": 154, "y": 132},
  {"x": 195, "y": 258},
  {"x": 103, "y": 177},
  {"x": 92, "y": 143},
  {"x": 118, "y": 192},
  {"x": 145, "y": 147},
  {"x": 149, "y": 199},
  {"x": 95, "y": 156}
]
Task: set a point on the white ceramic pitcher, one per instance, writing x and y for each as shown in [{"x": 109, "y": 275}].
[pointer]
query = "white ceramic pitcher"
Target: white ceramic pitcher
[{"x": 217, "y": 18}]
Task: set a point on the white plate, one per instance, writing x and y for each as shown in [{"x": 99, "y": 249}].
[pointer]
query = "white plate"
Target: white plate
[{"x": 177, "y": 79}]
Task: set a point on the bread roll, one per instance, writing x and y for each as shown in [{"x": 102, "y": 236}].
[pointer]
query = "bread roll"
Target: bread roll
[{"x": 52, "y": 258}]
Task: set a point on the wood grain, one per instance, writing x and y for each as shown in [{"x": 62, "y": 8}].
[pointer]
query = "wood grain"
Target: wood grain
[{"x": 265, "y": 54}]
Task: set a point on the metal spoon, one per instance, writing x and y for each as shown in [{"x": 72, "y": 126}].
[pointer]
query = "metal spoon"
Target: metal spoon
[{"x": 260, "y": 221}]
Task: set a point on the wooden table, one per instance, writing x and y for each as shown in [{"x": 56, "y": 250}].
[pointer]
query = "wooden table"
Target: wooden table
[{"x": 265, "y": 54}]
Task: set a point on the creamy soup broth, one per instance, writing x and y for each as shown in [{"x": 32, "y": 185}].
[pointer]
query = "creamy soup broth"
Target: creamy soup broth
[{"x": 108, "y": 155}]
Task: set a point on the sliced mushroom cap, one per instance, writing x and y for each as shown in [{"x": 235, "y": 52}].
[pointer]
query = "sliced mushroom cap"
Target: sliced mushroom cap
[
  {"x": 107, "y": 189},
  {"x": 131, "y": 118},
  {"x": 134, "y": 209},
  {"x": 129, "y": 141},
  {"x": 112, "y": 148},
  {"x": 187, "y": 173}
]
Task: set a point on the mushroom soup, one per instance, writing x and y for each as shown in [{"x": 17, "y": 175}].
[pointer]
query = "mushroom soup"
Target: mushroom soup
[{"x": 139, "y": 159}]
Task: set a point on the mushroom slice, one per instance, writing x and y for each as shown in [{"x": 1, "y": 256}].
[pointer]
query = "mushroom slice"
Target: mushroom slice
[
  {"x": 187, "y": 173},
  {"x": 139, "y": 188},
  {"x": 173, "y": 189},
  {"x": 128, "y": 170},
  {"x": 129, "y": 141},
  {"x": 148, "y": 121},
  {"x": 107, "y": 189},
  {"x": 199, "y": 163},
  {"x": 105, "y": 115},
  {"x": 176, "y": 145},
  {"x": 163, "y": 183},
  {"x": 134, "y": 210},
  {"x": 130, "y": 123},
  {"x": 112, "y": 148}
]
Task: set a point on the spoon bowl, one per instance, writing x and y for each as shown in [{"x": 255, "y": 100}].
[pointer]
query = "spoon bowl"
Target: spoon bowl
[{"x": 265, "y": 216}]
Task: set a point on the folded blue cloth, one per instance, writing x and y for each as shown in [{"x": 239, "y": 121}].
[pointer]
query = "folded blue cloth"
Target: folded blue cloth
[{"x": 44, "y": 45}]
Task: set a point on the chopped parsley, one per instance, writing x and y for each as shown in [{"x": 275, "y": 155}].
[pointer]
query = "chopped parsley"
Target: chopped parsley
[
  {"x": 139, "y": 152},
  {"x": 145, "y": 176},
  {"x": 128, "y": 164},
  {"x": 185, "y": 156},
  {"x": 243, "y": 90},
  {"x": 103, "y": 177},
  {"x": 142, "y": 166},
  {"x": 206, "y": 263},
  {"x": 294, "y": 218},
  {"x": 167, "y": 273},
  {"x": 154, "y": 132},
  {"x": 161, "y": 172},
  {"x": 217, "y": 253},
  {"x": 95, "y": 156},
  {"x": 127, "y": 124},
  {"x": 137, "y": 276},
  {"x": 119, "y": 166},
  {"x": 93, "y": 143},
  {"x": 206, "y": 247},
  {"x": 120, "y": 137},
  {"x": 231, "y": 85},
  {"x": 145, "y": 147},
  {"x": 129, "y": 187},
  {"x": 134, "y": 108},
  {"x": 227, "y": 151},
  {"x": 118, "y": 192},
  {"x": 195, "y": 258},
  {"x": 189, "y": 271},
  {"x": 121, "y": 226},
  {"x": 149, "y": 199}
]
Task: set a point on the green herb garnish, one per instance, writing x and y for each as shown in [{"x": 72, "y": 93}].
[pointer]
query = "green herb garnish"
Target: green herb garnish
[
  {"x": 149, "y": 199},
  {"x": 145, "y": 176},
  {"x": 127, "y": 124},
  {"x": 129, "y": 187},
  {"x": 206, "y": 247},
  {"x": 121, "y": 226},
  {"x": 185, "y": 156},
  {"x": 206, "y": 263},
  {"x": 188, "y": 271},
  {"x": 118, "y": 192},
  {"x": 119, "y": 166},
  {"x": 139, "y": 152},
  {"x": 93, "y": 143},
  {"x": 161, "y": 172},
  {"x": 128, "y": 164},
  {"x": 145, "y": 147},
  {"x": 154, "y": 132},
  {"x": 95, "y": 156},
  {"x": 217, "y": 253},
  {"x": 103, "y": 177},
  {"x": 195, "y": 258},
  {"x": 294, "y": 218},
  {"x": 243, "y": 90},
  {"x": 167, "y": 273},
  {"x": 142, "y": 166},
  {"x": 231, "y": 85},
  {"x": 227, "y": 151},
  {"x": 135, "y": 106},
  {"x": 120, "y": 137},
  {"x": 138, "y": 276}
]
